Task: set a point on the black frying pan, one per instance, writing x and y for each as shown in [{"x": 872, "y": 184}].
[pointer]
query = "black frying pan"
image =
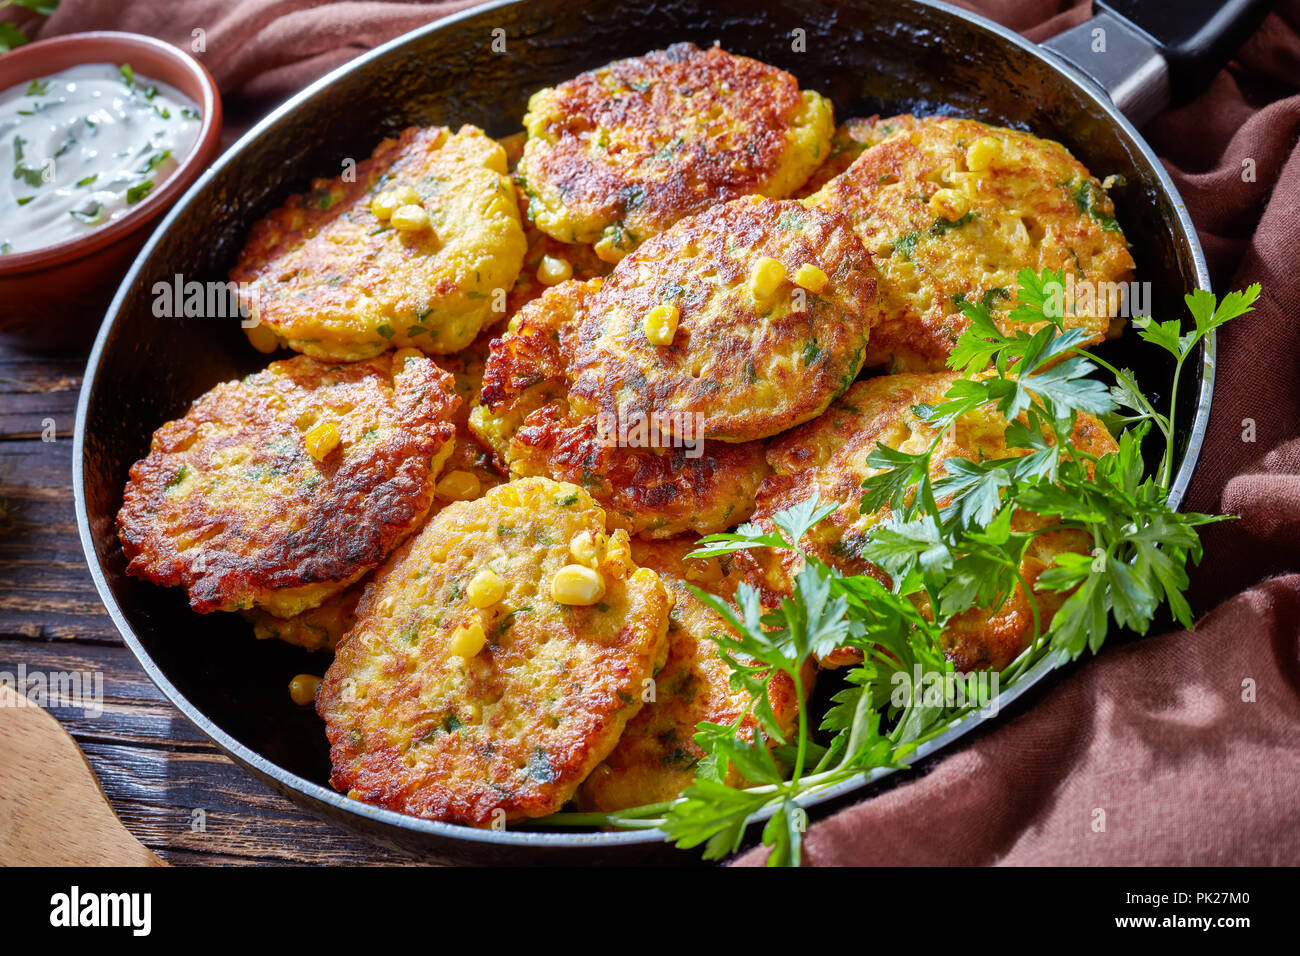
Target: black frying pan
[{"x": 869, "y": 57}]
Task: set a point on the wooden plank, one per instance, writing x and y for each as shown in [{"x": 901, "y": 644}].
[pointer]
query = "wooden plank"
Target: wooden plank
[
  {"x": 199, "y": 803},
  {"x": 37, "y": 388},
  {"x": 45, "y": 587},
  {"x": 134, "y": 711}
]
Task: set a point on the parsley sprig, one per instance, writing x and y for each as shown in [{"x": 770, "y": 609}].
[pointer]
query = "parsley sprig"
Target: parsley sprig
[{"x": 948, "y": 539}]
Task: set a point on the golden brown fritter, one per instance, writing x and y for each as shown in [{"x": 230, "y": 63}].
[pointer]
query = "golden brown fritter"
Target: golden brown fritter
[
  {"x": 650, "y": 485},
  {"x": 754, "y": 352},
  {"x": 231, "y": 505},
  {"x": 331, "y": 278},
  {"x": 318, "y": 629},
  {"x": 619, "y": 154},
  {"x": 952, "y": 208},
  {"x": 656, "y": 757},
  {"x": 505, "y": 727},
  {"x": 827, "y": 459}
]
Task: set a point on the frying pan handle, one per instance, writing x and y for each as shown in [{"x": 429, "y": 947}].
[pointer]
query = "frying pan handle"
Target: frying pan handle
[{"x": 1146, "y": 53}]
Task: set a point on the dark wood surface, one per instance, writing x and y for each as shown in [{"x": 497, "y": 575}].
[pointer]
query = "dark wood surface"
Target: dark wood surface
[{"x": 155, "y": 767}]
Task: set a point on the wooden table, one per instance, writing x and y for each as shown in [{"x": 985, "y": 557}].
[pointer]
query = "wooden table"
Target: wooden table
[{"x": 155, "y": 767}]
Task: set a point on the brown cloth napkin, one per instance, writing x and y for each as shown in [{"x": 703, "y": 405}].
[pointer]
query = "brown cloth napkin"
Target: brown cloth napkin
[{"x": 1175, "y": 749}]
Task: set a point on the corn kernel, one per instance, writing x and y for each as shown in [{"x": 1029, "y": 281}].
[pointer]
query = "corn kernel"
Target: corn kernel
[
  {"x": 384, "y": 205},
  {"x": 768, "y": 275},
  {"x": 704, "y": 571},
  {"x": 661, "y": 324},
  {"x": 302, "y": 689},
  {"x": 554, "y": 270},
  {"x": 950, "y": 203},
  {"x": 410, "y": 218},
  {"x": 618, "y": 555},
  {"x": 467, "y": 640},
  {"x": 982, "y": 153},
  {"x": 406, "y": 196},
  {"x": 485, "y": 588},
  {"x": 586, "y": 548},
  {"x": 262, "y": 338},
  {"x": 322, "y": 440},
  {"x": 575, "y": 584},
  {"x": 809, "y": 277},
  {"x": 611, "y": 249},
  {"x": 459, "y": 486}
]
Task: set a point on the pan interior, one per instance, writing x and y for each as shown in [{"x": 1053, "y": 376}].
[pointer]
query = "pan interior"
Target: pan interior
[{"x": 869, "y": 57}]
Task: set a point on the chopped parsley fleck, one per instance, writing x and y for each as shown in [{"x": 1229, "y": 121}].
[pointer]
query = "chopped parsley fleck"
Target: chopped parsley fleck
[
  {"x": 139, "y": 191},
  {"x": 942, "y": 225},
  {"x": 156, "y": 160},
  {"x": 1085, "y": 198},
  {"x": 906, "y": 245},
  {"x": 89, "y": 214}
]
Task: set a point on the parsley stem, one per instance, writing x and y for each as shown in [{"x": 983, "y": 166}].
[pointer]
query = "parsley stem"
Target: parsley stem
[
  {"x": 649, "y": 815},
  {"x": 1167, "y": 461},
  {"x": 801, "y": 753},
  {"x": 1019, "y": 667}
]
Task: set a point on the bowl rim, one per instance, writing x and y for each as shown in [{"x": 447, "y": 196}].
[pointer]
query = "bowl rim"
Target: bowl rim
[
  {"x": 206, "y": 143},
  {"x": 282, "y": 779}
]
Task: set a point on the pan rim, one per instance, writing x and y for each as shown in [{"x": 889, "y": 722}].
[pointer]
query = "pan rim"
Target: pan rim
[{"x": 273, "y": 774}]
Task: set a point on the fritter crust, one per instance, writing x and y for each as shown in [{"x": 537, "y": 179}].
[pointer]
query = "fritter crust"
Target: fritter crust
[
  {"x": 525, "y": 416},
  {"x": 827, "y": 459},
  {"x": 230, "y": 505},
  {"x": 617, "y": 155},
  {"x": 656, "y": 758},
  {"x": 743, "y": 366},
  {"x": 518, "y": 726},
  {"x": 332, "y": 280},
  {"x": 954, "y": 208}
]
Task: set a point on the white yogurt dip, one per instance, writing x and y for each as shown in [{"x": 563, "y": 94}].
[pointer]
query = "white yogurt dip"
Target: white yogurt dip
[{"x": 83, "y": 147}]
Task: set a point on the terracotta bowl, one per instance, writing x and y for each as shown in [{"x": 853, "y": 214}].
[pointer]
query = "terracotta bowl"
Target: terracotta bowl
[{"x": 57, "y": 295}]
